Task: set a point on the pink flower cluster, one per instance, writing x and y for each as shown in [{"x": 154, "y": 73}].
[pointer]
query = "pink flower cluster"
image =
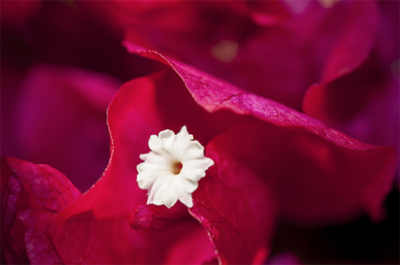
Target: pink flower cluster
[{"x": 296, "y": 102}]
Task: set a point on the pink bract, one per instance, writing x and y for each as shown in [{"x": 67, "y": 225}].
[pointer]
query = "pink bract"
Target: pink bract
[
  {"x": 364, "y": 102},
  {"x": 31, "y": 197},
  {"x": 262, "y": 47},
  {"x": 270, "y": 161},
  {"x": 59, "y": 120}
]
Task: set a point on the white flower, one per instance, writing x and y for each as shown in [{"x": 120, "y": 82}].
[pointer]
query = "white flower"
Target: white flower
[{"x": 172, "y": 169}]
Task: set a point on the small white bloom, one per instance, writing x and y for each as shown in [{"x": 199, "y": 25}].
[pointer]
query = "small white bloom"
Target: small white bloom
[{"x": 172, "y": 169}]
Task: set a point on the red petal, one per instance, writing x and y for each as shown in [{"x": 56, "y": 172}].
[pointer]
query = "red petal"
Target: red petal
[
  {"x": 265, "y": 13},
  {"x": 364, "y": 103},
  {"x": 78, "y": 232},
  {"x": 63, "y": 109},
  {"x": 345, "y": 97},
  {"x": 349, "y": 78},
  {"x": 278, "y": 62},
  {"x": 314, "y": 181},
  {"x": 358, "y": 28},
  {"x": 96, "y": 229},
  {"x": 214, "y": 94},
  {"x": 12, "y": 245},
  {"x": 302, "y": 162},
  {"x": 236, "y": 208},
  {"x": 156, "y": 217},
  {"x": 269, "y": 13},
  {"x": 32, "y": 196},
  {"x": 388, "y": 35}
]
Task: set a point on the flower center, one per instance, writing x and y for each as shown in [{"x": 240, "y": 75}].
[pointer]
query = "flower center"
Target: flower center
[{"x": 176, "y": 167}]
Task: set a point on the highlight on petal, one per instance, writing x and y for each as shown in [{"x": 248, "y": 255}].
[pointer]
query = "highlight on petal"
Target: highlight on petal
[{"x": 173, "y": 167}]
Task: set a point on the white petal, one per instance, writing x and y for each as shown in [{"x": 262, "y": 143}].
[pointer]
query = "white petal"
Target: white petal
[
  {"x": 193, "y": 150},
  {"x": 145, "y": 181},
  {"x": 203, "y": 163},
  {"x": 189, "y": 185},
  {"x": 158, "y": 173},
  {"x": 156, "y": 186},
  {"x": 187, "y": 200},
  {"x": 184, "y": 132},
  {"x": 183, "y": 195},
  {"x": 147, "y": 178},
  {"x": 167, "y": 138},
  {"x": 194, "y": 174},
  {"x": 166, "y": 195},
  {"x": 154, "y": 158},
  {"x": 183, "y": 139},
  {"x": 155, "y": 144},
  {"x": 152, "y": 167}
]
